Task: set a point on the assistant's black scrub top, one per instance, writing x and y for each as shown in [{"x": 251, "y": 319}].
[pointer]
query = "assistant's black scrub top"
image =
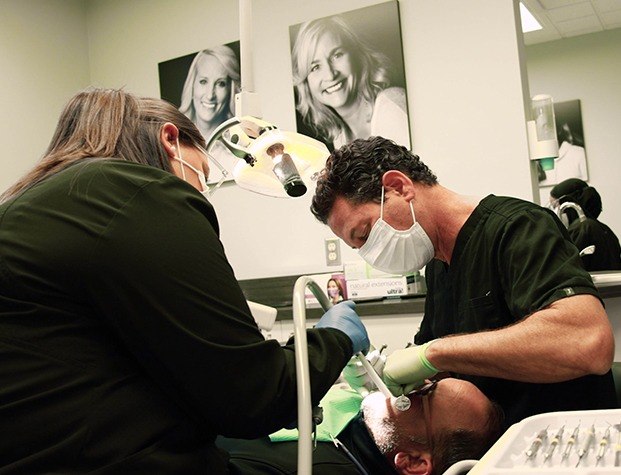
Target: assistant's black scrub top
[
  {"x": 591, "y": 232},
  {"x": 125, "y": 340},
  {"x": 263, "y": 457},
  {"x": 511, "y": 258}
]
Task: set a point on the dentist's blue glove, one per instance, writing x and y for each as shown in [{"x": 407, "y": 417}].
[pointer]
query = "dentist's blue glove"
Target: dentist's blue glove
[{"x": 343, "y": 317}]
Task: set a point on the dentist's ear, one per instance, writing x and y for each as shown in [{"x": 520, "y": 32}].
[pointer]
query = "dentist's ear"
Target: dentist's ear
[
  {"x": 169, "y": 134},
  {"x": 394, "y": 180}
]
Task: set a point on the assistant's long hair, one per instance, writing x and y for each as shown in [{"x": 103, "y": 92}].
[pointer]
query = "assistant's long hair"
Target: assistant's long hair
[
  {"x": 229, "y": 61},
  {"x": 109, "y": 123},
  {"x": 370, "y": 72}
]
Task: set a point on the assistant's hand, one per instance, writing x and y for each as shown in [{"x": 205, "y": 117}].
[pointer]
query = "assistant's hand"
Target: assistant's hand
[
  {"x": 343, "y": 317},
  {"x": 407, "y": 369},
  {"x": 356, "y": 375}
]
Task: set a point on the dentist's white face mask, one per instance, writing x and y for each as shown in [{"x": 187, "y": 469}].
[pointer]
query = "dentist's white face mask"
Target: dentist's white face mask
[{"x": 397, "y": 252}]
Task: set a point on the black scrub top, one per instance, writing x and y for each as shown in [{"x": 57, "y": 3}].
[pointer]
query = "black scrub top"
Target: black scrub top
[
  {"x": 263, "y": 457},
  {"x": 126, "y": 342},
  {"x": 607, "y": 255},
  {"x": 511, "y": 258}
]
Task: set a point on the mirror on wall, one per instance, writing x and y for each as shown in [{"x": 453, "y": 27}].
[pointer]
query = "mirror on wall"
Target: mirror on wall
[{"x": 574, "y": 58}]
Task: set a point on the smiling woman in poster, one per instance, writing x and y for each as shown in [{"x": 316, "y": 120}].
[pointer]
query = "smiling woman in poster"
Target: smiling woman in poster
[
  {"x": 343, "y": 88},
  {"x": 208, "y": 96}
]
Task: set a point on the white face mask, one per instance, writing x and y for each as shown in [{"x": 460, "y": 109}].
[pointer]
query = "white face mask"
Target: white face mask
[
  {"x": 202, "y": 179},
  {"x": 397, "y": 252}
]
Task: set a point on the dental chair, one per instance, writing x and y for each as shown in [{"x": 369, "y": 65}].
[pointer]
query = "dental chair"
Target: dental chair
[{"x": 305, "y": 410}]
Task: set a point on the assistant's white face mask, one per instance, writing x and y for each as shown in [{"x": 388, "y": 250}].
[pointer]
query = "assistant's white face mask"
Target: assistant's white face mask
[
  {"x": 397, "y": 252},
  {"x": 202, "y": 179}
]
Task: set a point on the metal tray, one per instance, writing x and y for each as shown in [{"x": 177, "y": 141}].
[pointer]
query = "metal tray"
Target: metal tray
[{"x": 509, "y": 454}]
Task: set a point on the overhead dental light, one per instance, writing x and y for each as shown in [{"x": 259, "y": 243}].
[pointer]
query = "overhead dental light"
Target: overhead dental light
[{"x": 272, "y": 162}]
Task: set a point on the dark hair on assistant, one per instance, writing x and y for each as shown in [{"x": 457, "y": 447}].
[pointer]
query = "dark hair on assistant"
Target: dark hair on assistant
[{"x": 109, "y": 123}]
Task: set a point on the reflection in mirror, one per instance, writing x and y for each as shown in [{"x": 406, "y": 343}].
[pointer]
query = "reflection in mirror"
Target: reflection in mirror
[{"x": 575, "y": 57}]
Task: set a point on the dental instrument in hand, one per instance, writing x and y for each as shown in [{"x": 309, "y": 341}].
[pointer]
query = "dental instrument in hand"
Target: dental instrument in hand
[
  {"x": 618, "y": 446},
  {"x": 554, "y": 443},
  {"x": 536, "y": 443},
  {"x": 603, "y": 444},
  {"x": 401, "y": 403},
  {"x": 374, "y": 376},
  {"x": 571, "y": 441},
  {"x": 587, "y": 444}
]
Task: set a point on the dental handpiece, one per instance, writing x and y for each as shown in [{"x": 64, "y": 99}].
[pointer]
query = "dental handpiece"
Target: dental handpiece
[
  {"x": 603, "y": 444},
  {"x": 536, "y": 443},
  {"x": 401, "y": 403},
  {"x": 587, "y": 444},
  {"x": 374, "y": 376},
  {"x": 618, "y": 446},
  {"x": 570, "y": 442},
  {"x": 554, "y": 443}
]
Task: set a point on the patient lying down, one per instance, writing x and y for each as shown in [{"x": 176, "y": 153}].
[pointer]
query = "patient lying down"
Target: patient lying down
[{"x": 459, "y": 423}]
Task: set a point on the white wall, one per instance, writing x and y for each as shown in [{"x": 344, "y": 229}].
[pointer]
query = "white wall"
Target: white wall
[
  {"x": 464, "y": 85},
  {"x": 43, "y": 62},
  {"x": 588, "y": 68}
]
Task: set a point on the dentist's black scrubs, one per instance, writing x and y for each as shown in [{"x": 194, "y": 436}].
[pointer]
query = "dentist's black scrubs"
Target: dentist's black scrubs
[
  {"x": 511, "y": 258},
  {"x": 126, "y": 344}
]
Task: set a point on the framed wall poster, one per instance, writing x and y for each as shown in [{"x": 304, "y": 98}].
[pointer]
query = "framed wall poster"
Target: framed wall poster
[
  {"x": 203, "y": 86},
  {"x": 571, "y": 161},
  {"x": 349, "y": 76}
]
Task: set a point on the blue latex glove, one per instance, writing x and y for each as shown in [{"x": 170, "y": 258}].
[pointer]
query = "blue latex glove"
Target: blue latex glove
[{"x": 343, "y": 317}]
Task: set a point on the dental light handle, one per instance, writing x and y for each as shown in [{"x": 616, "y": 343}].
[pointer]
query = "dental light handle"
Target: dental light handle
[{"x": 374, "y": 376}]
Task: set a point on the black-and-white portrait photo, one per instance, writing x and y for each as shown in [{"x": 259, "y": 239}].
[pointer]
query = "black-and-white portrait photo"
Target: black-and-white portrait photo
[
  {"x": 571, "y": 161},
  {"x": 349, "y": 76},
  {"x": 203, "y": 86}
]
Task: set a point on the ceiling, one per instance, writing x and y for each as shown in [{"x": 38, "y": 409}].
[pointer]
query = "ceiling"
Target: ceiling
[{"x": 567, "y": 18}]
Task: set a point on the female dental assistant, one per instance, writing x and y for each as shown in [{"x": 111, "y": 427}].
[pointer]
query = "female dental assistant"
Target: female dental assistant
[{"x": 126, "y": 342}]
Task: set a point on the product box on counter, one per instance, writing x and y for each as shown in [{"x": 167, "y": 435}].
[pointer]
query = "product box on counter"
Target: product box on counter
[
  {"x": 377, "y": 288},
  {"x": 365, "y": 282}
]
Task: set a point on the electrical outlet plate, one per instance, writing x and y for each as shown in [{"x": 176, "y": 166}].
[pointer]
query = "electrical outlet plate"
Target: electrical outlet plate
[{"x": 333, "y": 251}]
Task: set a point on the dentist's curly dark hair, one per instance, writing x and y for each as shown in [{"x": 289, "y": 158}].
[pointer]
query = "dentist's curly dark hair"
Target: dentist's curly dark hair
[{"x": 355, "y": 172}]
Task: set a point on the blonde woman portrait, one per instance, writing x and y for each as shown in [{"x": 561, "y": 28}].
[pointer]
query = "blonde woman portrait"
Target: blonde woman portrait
[{"x": 344, "y": 88}]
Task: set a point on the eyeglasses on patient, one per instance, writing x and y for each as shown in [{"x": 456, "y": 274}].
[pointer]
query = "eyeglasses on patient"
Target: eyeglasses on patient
[{"x": 425, "y": 392}]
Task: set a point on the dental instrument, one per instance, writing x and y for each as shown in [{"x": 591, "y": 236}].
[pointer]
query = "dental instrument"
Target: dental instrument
[
  {"x": 401, "y": 403},
  {"x": 603, "y": 444},
  {"x": 587, "y": 444},
  {"x": 374, "y": 376},
  {"x": 556, "y": 440},
  {"x": 618, "y": 446},
  {"x": 571, "y": 442},
  {"x": 536, "y": 443}
]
